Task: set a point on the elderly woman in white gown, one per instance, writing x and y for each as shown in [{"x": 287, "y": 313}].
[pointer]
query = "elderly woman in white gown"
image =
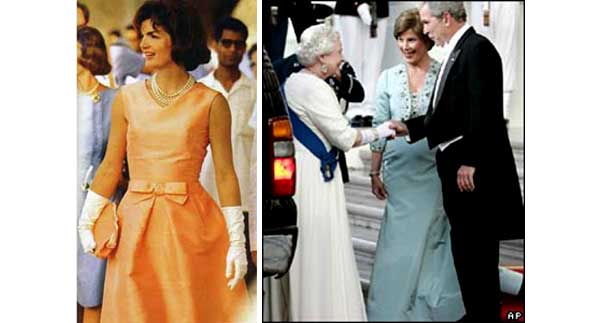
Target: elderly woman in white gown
[{"x": 324, "y": 281}]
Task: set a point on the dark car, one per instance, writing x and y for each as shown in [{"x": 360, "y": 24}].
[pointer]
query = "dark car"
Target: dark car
[{"x": 279, "y": 178}]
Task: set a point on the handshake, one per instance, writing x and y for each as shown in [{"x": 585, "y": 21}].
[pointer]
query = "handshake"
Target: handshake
[{"x": 389, "y": 130}]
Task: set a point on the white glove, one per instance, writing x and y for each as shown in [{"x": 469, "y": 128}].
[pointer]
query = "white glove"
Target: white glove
[
  {"x": 363, "y": 13},
  {"x": 90, "y": 212},
  {"x": 381, "y": 131},
  {"x": 236, "y": 255}
]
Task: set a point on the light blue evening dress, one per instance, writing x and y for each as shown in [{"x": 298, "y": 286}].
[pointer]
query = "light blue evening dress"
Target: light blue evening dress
[{"x": 413, "y": 277}]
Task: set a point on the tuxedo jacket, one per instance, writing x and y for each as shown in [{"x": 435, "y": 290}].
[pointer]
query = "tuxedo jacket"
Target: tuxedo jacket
[
  {"x": 348, "y": 7},
  {"x": 469, "y": 104}
]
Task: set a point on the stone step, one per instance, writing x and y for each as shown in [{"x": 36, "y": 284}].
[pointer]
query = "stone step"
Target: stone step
[
  {"x": 362, "y": 195},
  {"x": 365, "y": 215},
  {"x": 359, "y": 205}
]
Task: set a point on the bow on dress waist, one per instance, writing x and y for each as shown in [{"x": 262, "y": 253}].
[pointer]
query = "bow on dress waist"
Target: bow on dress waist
[
  {"x": 139, "y": 207},
  {"x": 145, "y": 195},
  {"x": 174, "y": 191}
]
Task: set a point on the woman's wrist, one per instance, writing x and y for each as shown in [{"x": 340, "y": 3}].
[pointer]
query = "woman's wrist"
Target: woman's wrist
[{"x": 374, "y": 173}]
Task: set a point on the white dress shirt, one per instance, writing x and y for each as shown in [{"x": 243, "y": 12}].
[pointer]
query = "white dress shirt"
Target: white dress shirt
[
  {"x": 449, "y": 47},
  {"x": 241, "y": 98}
]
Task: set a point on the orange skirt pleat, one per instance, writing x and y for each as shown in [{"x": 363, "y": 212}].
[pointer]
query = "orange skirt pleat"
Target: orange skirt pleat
[{"x": 169, "y": 265}]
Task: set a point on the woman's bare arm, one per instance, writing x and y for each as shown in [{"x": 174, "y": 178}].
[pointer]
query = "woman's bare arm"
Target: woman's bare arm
[{"x": 220, "y": 141}]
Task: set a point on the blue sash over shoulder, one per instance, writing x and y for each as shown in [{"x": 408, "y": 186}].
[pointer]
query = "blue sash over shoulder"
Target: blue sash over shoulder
[{"x": 310, "y": 140}]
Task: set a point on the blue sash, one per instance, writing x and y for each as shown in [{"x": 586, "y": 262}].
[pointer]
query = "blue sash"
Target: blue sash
[{"x": 310, "y": 140}]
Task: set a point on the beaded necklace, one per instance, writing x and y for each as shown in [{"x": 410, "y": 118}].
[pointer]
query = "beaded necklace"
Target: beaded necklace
[{"x": 165, "y": 99}]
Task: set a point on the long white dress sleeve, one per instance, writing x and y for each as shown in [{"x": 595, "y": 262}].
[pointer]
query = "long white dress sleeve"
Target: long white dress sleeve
[{"x": 316, "y": 105}]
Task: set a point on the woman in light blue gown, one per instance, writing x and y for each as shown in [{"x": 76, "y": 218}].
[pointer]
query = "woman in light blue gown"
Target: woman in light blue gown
[{"x": 413, "y": 276}]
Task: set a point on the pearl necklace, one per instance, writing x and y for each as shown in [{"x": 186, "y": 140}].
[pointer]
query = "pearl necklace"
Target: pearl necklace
[
  {"x": 94, "y": 93},
  {"x": 165, "y": 99}
]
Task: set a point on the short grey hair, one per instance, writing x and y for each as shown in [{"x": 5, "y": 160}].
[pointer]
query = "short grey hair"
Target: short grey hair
[
  {"x": 456, "y": 9},
  {"x": 315, "y": 41}
]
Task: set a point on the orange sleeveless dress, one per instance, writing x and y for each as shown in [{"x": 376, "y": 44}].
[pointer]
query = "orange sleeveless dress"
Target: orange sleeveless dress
[{"x": 169, "y": 265}]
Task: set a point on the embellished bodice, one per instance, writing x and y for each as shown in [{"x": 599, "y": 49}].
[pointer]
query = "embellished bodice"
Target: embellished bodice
[{"x": 394, "y": 100}]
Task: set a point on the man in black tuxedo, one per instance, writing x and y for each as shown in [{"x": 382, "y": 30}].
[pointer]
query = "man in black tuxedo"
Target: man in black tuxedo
[{"x": 480, "y": 185}]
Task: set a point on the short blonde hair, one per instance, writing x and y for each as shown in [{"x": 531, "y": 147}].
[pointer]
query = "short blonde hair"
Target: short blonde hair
[{"x": 315, "y": 41}]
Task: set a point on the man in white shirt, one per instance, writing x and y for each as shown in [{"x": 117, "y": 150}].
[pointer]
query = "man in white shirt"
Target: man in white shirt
[
  {"x": 240, "y": 92},
  {"x": 465, "y": 124}
]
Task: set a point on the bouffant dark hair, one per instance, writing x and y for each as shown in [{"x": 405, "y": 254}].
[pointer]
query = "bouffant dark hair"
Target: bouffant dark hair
[
  {"x": 410, "y": 20},
  {"x": 94, "y": 56},
  {"x": 183, "y": 24}
]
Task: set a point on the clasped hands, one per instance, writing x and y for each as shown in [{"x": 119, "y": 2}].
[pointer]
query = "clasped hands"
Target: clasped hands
[
  {"x": 465, "y": 177},
  {"x": 398, "y": 128}
]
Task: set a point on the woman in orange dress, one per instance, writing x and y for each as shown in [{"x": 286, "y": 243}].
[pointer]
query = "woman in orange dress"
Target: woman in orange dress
[{"x": 180, "y": 258}]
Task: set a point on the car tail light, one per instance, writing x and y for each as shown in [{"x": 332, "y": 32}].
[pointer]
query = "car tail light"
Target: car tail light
[
  {"x": 283, "y": 148},
  {"x": 281, "y": 129},
  {"x": 283, "y": 168},
  {"x": 284, "y": 176}
]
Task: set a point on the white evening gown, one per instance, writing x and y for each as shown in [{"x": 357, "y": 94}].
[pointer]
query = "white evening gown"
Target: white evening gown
[{"x": 324, "y": 281}]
